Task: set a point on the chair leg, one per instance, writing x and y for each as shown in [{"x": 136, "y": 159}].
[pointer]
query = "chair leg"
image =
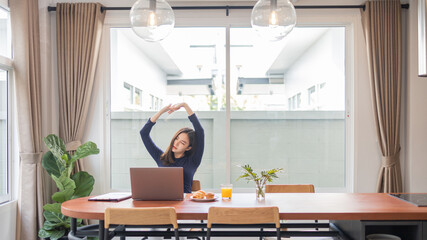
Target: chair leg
[
  {"x": 261, "y": 230},
  {"x": 208, "y": 234},
  {"x": 123, "y": 237},
  {"x": 106, "y": 234},
  {"x": 167, "y": 230},
  {"x": 279, "y": 235},
  {"x": 176, "y": 234}
]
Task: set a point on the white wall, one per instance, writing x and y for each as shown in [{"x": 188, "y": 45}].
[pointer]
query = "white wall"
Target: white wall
[
  {"x": 8, "y": 220},
  {"x": 416, "y": 129}
]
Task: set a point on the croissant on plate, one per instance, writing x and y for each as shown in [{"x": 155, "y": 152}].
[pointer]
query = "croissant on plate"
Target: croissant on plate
[
  {"x": 199, "y": 194},
  {"x": 210, "y": 195}
]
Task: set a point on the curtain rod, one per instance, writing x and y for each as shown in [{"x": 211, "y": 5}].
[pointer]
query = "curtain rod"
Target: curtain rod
[{"x": 227, "y": 8}]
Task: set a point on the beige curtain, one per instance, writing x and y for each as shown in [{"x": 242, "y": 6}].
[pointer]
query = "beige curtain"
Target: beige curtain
[
  {"x": 383, "y": 34},
  {"x": 26, "y": 61},
  {"x": 79, "y": 28}
]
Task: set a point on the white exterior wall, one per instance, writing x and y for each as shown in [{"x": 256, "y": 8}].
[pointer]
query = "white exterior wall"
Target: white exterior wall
[
  {"x": 324, "y": 59},
  {"x": 139, "y": 71},
  {"x": 263, "y": 139}
]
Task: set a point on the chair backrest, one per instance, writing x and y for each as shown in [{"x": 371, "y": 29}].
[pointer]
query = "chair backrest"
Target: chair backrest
[
  {"x": 251, "y": 215},
  {"x": 289, "y": 188},
  {"x": 141, "y": 216},
  {"x": 196, "y": 186}
]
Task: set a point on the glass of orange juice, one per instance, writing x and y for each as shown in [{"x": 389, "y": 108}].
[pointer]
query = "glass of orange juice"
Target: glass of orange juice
[{"x": 226, "y": 191}]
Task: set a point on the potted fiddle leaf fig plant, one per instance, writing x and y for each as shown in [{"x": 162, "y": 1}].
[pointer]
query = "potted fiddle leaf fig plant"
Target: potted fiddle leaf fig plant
[
  {"x": 260, "y": 179},
  {"x": 59, "y": 165}
]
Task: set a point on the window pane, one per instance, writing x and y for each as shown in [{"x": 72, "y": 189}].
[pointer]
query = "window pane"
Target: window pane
[
  {"x": 289, "y": 107},
  {"x": 5, "y": 34},
  {"x": 189, "y": 66},
  {"x": 137, "y": 100},
  {"x": 3, "y": 134}
]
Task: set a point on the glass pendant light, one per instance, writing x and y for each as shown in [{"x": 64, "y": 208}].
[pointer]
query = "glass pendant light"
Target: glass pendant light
[
  {"x": 152, "y": 20},
  {"x": 273, "y": 19}
]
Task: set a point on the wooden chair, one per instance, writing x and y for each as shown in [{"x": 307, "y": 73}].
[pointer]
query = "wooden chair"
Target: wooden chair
[
  {"x": 289, "y": 188},
  {"x": 196, "y": 186},
  {"x": 252, "y": 215},
  {"x": 140, "y": 217}
]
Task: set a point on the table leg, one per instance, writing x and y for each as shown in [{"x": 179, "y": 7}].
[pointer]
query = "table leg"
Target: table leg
[
  {"x": 73, "y": 226},
  {"x": 101, "y": 230}
]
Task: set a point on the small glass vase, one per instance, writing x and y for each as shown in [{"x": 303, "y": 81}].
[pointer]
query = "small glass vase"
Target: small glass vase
[{"x": 260, "y": 191}]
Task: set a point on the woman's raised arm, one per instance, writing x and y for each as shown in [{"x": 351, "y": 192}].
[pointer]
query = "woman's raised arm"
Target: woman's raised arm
[{"x": 156, "y": 116}]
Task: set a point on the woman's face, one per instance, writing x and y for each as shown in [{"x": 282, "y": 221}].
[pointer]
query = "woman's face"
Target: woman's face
[{"x": 181, "y": 143}]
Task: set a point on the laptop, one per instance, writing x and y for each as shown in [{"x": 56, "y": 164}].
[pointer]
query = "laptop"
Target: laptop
[
  {"x": 159, "y": 183},
  {"x": 418, "y": 199}
]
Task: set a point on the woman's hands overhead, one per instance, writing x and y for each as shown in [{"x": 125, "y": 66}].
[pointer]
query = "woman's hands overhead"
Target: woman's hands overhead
[
  {"x": 177, "y": 106},
  {"x": 170, "y": 109}
]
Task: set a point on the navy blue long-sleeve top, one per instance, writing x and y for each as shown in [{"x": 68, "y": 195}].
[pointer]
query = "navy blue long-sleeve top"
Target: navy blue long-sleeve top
[{"x": 188, "y": 163}]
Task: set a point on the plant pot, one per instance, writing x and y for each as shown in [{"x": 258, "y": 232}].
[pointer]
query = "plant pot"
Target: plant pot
[{"x": 61, "y": 238}]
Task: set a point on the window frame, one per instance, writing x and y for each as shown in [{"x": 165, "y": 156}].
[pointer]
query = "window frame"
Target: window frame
[
  {"x": 6, "y": 8},
  {"x": 129, "y": 87},
  {"x": 6, "y": 65},
  {"x": 239, "y": 18}
]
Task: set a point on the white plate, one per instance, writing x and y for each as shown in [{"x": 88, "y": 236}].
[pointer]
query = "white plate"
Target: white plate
[{"x": 203, "y": 199}]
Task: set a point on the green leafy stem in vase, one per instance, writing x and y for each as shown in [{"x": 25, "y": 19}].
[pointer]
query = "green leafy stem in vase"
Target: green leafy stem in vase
[{"x": 260, "y": 179}]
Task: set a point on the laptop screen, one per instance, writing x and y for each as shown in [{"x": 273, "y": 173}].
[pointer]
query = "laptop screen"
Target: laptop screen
[{"x": 159, "y": 183}]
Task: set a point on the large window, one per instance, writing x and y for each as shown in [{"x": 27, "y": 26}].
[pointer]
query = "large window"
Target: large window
[
  {"x": 187, "y": 66},
  {"x": 286, "y": 101},
  {"x": 272, "y": 123},
  {"x": 5, "y": 73}
]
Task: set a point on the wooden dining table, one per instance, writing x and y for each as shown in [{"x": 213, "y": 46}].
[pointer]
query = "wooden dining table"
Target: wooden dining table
[{"x": 337, "y": 207}]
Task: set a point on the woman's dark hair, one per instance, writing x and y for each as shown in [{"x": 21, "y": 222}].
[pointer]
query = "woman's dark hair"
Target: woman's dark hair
[{"x": 168, "y": 157}]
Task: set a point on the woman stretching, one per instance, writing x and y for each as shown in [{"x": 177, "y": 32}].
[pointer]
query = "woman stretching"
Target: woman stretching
[{"x": 185, "y": 149}]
